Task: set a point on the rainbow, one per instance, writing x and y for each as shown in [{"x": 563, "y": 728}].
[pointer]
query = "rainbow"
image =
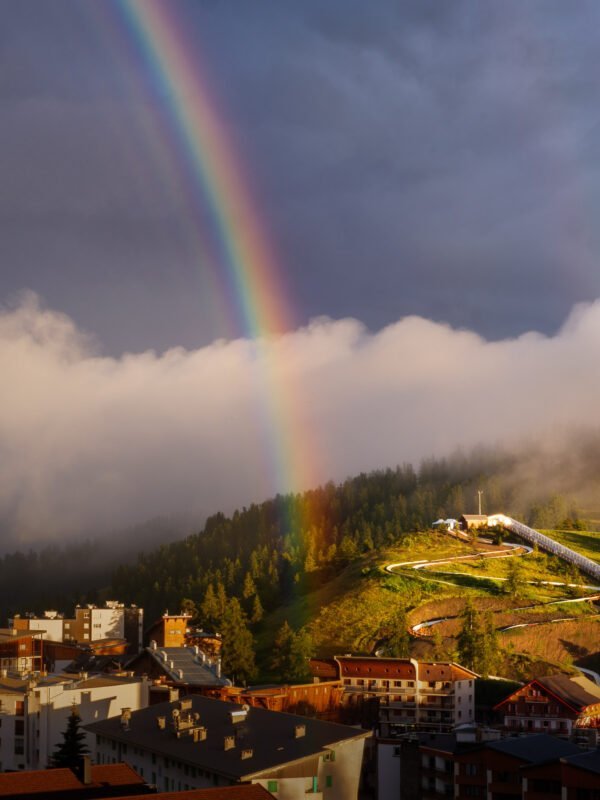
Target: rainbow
[{"x": 211, "y": 166}]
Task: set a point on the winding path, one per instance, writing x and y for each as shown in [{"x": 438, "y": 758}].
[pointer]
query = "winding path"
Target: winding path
[{"x": 420, "y": 628}]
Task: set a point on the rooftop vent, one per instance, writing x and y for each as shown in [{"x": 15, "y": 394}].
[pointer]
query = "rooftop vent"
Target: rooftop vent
[
  {"x": 153, "y": 644},
  {"x": 246, "y": 754},
  {"x": 299, "y": 731},
  {"x": 199, "y": 734},
  {"x": 125, "y": 717},
  {"x": 229, "y": 743}
]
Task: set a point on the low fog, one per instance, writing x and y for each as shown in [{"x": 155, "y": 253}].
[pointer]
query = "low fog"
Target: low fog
[{"x": 89, "y": 442}]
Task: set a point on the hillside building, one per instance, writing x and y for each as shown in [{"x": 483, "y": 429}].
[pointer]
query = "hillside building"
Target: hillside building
[
  {"x": 200, "y": 742},
  {"x": 554, "y": 704},
  {"x": 409, "y": 693}
]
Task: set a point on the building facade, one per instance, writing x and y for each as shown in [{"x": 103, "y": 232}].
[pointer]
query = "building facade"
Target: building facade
[
  {"x": 199, "y": 742},
  {"x": 34, "y": 712}
]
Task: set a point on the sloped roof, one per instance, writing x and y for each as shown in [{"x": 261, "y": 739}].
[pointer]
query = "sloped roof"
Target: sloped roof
[
  {"x": 589, "y": 761},
  {"x": 48, "y": 781},
  {"x": 578, "y": 691},
  {"x": 270, "y": 735},
  {"x": 535, "y": 748}
]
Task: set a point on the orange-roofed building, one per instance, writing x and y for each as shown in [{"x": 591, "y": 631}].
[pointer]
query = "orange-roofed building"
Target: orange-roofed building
[
  {"x": 409, "y": 693},
  {"x": 90, "y": 781}
]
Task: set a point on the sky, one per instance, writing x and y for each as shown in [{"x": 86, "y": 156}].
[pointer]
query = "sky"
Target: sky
[{"x": 426, "y": 174}]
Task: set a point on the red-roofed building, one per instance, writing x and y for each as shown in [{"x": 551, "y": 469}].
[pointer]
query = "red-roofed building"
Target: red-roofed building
[
  {"x": 554, "y": 704},
  {"x": 92, "y": 781},
  {"x": 432, "y": 695}
]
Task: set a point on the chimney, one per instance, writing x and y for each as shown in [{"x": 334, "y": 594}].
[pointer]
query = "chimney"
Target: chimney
[
  {"x": 84, "y": 770},
  {"x": 299, "y": 731},
  {"x": 229, "y": 743},
  {"x": 125, "y": 717},
  {"x": 153, "y": 644},
  {"x": 180, "y": 674},
  {"x": 4, "y": 672},
  {"x": 161, "y": 722},
  {"x": 246, "y": 754},
  {"x": 238, "y": 715}
]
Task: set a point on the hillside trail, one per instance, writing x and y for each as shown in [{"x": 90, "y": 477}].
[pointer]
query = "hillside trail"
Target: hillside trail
[{"x": 423, "y": 628}]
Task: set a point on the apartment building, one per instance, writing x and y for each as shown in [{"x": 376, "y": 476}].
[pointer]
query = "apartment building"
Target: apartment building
[
  {"x": 199, "y": 742},
  {"x": 34, "y": 712},
  {"x": 90, "y": 623},
  {"x": 555, "y": 704},
  {"x": 409, "y": 693}
]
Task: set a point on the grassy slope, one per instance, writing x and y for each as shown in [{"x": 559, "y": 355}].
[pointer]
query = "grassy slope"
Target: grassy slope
[{"x": 351, "y": 612}]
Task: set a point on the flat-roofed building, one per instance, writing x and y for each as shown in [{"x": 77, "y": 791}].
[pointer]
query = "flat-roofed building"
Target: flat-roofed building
[{"x": 200, "y": 742}]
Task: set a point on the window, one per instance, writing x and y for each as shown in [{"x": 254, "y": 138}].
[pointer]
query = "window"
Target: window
[
  {"x": 471, "y": 769},
  {"x": 271, "y": 786},
  {"x": 328, "y": 781},
  {"x": 19, "y": 727},
  {"x": 19, "y": 708}
]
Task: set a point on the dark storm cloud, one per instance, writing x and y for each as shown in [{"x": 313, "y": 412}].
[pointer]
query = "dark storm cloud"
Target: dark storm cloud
[{"x": 438, "y": 158}]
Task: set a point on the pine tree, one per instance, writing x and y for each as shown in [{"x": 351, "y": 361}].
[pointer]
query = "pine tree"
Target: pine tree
[
  {"x": 478, "y": 647},
  {"x": 398, "y": 644},
  {"x": 469, "y": 637},
  {"x": 210, "y": 607},
  {"x": 237, "y": 653},
  {"x": 249, "y": 587},
  {"x": 291, "y": 653},
  {"x": 70, "y": 751},
  {"x": 257, "y": 610}
]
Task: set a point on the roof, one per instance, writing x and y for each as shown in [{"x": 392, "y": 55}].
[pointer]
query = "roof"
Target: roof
[
  {"x": 374, "y": 667},
  {"x": 589, "y": 761},
  {"x": 251, "y": 791},
  {"x": 578, "y": 691},
  {"x": 443, "y": 742},
  {"x": 186, "y": 665},
  {"x": 475, "y": 517},
  {"x": 48, "y": 781},
  {"x": 269, "y": 735},
  {"x": 535, "y": 748},
  {"x": 444, "y": 671}
]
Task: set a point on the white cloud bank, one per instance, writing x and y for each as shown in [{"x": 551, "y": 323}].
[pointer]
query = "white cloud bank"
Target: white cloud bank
[{"x": 89, "y": 442}]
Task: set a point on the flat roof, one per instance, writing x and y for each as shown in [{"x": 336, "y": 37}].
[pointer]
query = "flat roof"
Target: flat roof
[{"x": 270, "y": 735}]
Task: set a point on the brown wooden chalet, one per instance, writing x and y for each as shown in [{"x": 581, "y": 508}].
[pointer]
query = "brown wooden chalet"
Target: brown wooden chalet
[{"x": 553, "y": 704}]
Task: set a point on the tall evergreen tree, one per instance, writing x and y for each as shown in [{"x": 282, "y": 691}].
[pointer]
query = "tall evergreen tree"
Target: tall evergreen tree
[
  {"x": 70, "y": 751},
  {"x": 398, "y": 643},
  {"x": 237, "y": 653},
  {"x": 291, "y": 653}
]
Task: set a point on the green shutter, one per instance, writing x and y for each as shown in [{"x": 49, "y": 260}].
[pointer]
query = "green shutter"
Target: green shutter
[
  {"x": 272, "y": 786},
  {"x": 328, "y": 781}
]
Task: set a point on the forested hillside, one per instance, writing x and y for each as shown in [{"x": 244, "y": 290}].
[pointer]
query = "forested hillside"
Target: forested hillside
[{"x": 264, "y": 554}]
